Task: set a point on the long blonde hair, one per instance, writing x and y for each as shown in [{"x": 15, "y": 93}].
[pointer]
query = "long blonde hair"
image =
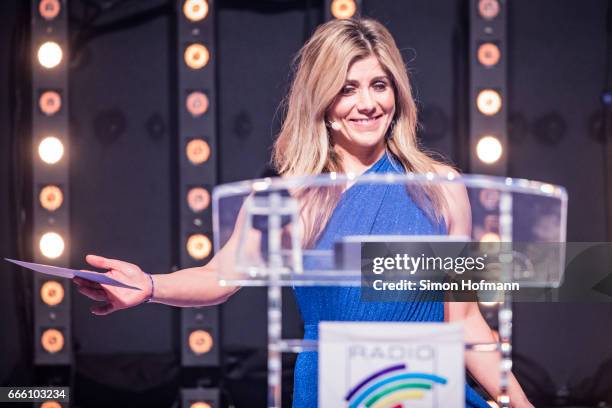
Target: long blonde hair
[{"x": 304, "y": 147}]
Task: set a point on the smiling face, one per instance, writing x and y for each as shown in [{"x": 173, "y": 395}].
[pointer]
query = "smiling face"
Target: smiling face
[{"x": 363, "y": 109}]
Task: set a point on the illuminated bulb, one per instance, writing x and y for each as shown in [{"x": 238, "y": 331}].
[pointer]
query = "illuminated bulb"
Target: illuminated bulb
[
  {"x": 488, "y": 304},
  {"x": 488, "y": 54},
  {"x": 49, "y": 9},
  {"x": 490, "y": 237},
  {"x": 489, "y": 149},
  {"x": 199, "y": 404},
  {"x": 51, "y": 198},
  {"x": 51, "y": 404},
  {"x": 50, "y": 54},
  {"x": 51, "y": 245},
  {"x": 50, "y": 150},
  {"x": 197, "y": 103},
  {"x": 52, "y": 293},
  {"x": 489, "y": 102},
  {"x": 200, "y": 341},
  {"x": 52, "y": 340},
  {"x": 50, "y": 102},
  {"x": 490, "y": 243},
  {"x": 197, "y": 151},
  {"x": 198, "y": 246},
  {"x": 196, "y": 56},
  {"x": 198, "y": 199},
  {"x": 488, "y": 9},
  {"x": 342, "y": 9},
  {"x": 489, "y": 198},
  {"x": 195, "y": 10}
]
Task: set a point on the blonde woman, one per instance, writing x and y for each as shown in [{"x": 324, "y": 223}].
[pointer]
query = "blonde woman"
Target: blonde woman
[{"x": 350, "y": 109}]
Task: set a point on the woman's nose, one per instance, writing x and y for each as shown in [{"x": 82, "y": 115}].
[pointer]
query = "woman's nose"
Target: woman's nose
[{"x": 365, "y": 103}]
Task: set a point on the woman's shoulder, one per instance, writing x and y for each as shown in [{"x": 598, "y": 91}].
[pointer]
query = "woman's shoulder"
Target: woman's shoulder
[
  {"x": 443, "y": 169},
  {"x": 457, "y": 211}
]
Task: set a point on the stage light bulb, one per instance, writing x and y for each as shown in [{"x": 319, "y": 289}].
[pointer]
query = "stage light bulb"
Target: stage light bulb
[
  {"x": 51, "y": 404},
  {"x": 198, "y": 199},
  {"x": 49, "y": 9},
  {"x": 52, "y": 293},
  {"x": 50, "y": 102},
  {"x": 52, "y": 341},
  {"x": 51, "y": 245},
  {"x": 488, "y": 304},
  {"x": 489, "y": 237},
  {"x": 51, "y": 198},
  {"x": 196, "y": 56},
  {"x": 199, "y": 404},
  {"x": 488, "y": 9},
  {"x": 51, "y": 150},
  {"x": 197, "y": 103},
  {"x": 198, "y": 246},
  {"x": 343, "y": 9},
  {"x": 488, "y": 54},
  {"x": 489, "y": 198},
  {"x": 489, "y": 102},
  {"x": 197, "y": 151},
  {"x": 489, "y": 149},
  {"x": 195, "y": 10},
  {"x": 200, "y": 341},
  {"x": 50, "y": 54}
]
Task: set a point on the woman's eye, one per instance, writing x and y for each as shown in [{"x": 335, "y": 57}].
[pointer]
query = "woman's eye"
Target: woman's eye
[
  {"x": 347, "y": 90},
  {"x": 380, "y": 86}
]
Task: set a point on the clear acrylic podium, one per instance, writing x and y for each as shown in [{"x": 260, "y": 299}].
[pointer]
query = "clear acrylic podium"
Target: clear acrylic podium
[{"x": 264, "y": 229}]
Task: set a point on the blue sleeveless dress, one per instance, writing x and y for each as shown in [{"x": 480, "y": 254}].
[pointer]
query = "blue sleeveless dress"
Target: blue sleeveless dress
[{"x": 365, "y": 210}]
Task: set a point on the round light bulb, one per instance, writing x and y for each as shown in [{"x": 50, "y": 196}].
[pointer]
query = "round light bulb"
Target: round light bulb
[
  {"x": 196, "y": 56},
  {"x": 52, "y": 341},
  {"x": 343, "y": 9},
  {"x": 51, "y": 404},
  {"x": 195, "y": 10},
  {"x": 51, "y": 150},
  {"x": 200, "y": 341},
  {"x": 50, "y": 102},
  {"x": 197, "y": 103},
  {"x": 197, "y": 151},
  {"x": 488, "y": 54},
  {"x": 198, "y": 246},
  {"x": 489, "y": 102},
  {"x": 200, "y": 404},
  {"x": 489, "y": 149},
  {"x": 488, "y": 9},
  {"x": 51, "y": 245},
  {"x": 49, "y": 9},
  {"x": 52, "y": 293},
  {"x": 51, "y": 198},
  {"x": 198, "y": 199},
  {"x": 50, "y": 54}
]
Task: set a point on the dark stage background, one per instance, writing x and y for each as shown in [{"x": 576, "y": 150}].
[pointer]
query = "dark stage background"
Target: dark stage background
[{"x": 122, "y": 108}]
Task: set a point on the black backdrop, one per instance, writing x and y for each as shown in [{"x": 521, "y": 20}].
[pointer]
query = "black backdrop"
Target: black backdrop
[{"x": 121, "y": 174}]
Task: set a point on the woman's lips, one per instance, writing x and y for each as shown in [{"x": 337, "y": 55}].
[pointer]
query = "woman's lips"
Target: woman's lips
[{"x": 366, "y": 124}]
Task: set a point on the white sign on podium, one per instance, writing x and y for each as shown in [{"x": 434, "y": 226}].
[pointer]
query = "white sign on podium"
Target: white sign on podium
[{"x": 390, "y": 364}]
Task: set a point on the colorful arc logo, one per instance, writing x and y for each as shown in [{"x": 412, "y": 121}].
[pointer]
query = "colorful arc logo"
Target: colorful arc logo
[{"x": 390, "y": 386}]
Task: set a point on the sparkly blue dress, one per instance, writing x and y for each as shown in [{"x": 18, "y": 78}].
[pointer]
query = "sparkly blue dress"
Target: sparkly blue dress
[{"x": 365, "y": 210}]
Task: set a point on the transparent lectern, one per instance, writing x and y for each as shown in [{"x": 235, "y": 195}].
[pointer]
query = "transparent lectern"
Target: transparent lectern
[{"x": 266, "y": 233}]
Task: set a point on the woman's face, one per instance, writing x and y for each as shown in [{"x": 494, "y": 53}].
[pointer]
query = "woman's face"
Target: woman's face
[{"x": 364, "y": 108}]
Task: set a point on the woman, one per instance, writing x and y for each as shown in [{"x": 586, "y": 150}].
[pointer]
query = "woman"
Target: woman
[{"x": 350, "y": 109}]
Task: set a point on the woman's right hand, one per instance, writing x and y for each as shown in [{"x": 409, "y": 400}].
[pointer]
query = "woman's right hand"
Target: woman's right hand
[{"x": 115, "y": 298}]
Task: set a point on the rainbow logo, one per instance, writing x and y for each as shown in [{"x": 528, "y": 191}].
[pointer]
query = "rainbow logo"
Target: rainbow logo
[{"x": 391, "y": 386}]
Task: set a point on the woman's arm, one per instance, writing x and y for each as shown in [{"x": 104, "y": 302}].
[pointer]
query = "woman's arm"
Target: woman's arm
[
  {"x": 484, "y": 366},
  {"x": 187, "y": 287}
]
